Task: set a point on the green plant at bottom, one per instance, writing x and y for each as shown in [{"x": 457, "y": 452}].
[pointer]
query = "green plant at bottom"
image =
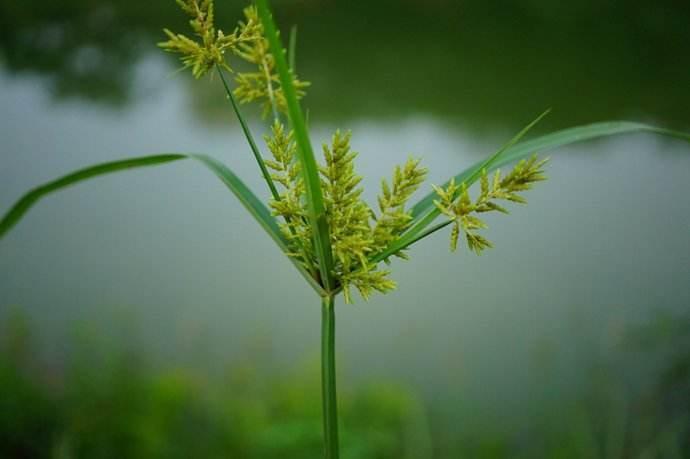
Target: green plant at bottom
[
  {"x": 318, "y": 217},
  {"x": 110, "y": 399}
]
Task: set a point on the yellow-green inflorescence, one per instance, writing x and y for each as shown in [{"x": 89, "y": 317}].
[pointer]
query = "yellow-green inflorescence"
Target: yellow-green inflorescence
[
  {"x": 212, "y": 45},
  {"x": 263, "y": 84},
  {"x": 358, "y": 234},
  {"x": 247, "y": 41},
  {"x": 455, "y": 202}
]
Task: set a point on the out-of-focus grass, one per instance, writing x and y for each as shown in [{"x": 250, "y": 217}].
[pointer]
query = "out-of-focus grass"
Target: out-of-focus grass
[
  {"x": 108, "y": 403},
  {"x": 113, "y": 405}
]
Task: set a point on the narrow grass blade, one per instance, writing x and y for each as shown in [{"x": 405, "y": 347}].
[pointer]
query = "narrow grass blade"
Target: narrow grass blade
[
  {"x": 310, "y": 171},
  {"x": 248, "y": 135},
  {"x": 416, "y": 230},
  {"x": 248, "y": 199},
  {"x": 255, "y": 207},
  {"x": 425, "y": 212},
  {"x": 292, "y": 49},
  {"x": 27, "y": 201},
  {"x": 475, "y": 172},
  {"x": 549, "y": 142}
]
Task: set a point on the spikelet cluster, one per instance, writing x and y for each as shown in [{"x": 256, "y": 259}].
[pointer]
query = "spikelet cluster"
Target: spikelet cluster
[
  {"x": 263, "y": 84},
  {"x": 356, "y": 232},
  {"x": 212, "y": 44},
  {"x": 286, "y": 172},
  {"x": 393, "y": 219},
  {"x": 455, "y": 202}
]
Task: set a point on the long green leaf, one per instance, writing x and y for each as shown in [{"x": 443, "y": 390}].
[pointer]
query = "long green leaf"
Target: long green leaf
[
  {"x": 416, "y": 230},
  {"x": 475, "y": 172},
  {"x": 17, "y": 211},
  {"x": 247, "y": 198},
  {"x": 292, "y": 49},
  {"x": 255, "y": 207},
  {"x": 425, "y": 212},
  {"x": 248, "y": 135},
  {"x": 549, "y": 142},
  {"x": 310, "y": 171}
]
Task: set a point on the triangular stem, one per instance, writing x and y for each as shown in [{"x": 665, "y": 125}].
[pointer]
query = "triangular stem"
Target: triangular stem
[{"x": 328, "y": 383}]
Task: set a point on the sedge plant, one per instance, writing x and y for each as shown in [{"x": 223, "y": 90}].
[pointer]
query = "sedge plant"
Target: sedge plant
[{"x": 316, "y": 214}]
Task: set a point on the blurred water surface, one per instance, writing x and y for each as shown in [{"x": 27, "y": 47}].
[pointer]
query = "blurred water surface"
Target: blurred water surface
[{"x": 602, "y": 246}]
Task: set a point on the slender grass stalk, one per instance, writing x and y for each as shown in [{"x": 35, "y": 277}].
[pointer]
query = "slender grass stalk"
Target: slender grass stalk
[
  {"x": 292, "y": 49},
  {"x": 250, "y": 138},
  {"x": 553, "y": 140},
  {"x": 269, "y": 87},
  {"x": 412, "y": 235},
  {"x": 428, "y": 232},
  {"x": 310, "y": 171},
  {"x": 252, "y": 144},
  {"x": 321, "y": 234},
  {"x": 328, "y": 378}
]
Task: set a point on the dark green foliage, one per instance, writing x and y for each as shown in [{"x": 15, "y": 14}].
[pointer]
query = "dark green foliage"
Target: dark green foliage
[
  {"x": 111, "y": 404},
  {"x": 29, "y": 418}
]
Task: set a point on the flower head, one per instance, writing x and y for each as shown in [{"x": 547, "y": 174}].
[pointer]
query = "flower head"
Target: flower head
[
  {"x": 455, "y": 202},
  {"x": 211, "y": 45},
  {"x": 263, "y": 84}
]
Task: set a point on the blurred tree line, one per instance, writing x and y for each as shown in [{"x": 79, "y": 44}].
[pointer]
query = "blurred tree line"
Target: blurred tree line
[{"x": 486, "y": 63}]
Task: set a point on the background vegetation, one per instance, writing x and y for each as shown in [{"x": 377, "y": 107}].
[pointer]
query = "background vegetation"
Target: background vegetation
[{"x": 109, "y": 401}]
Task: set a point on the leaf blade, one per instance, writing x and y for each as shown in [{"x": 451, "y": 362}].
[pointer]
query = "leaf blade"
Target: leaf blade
[
  {"x": 257, "y": 209},
  {"x": 29, "y": 199},
  {"x": 425, "y": 212},
  {"x": 292, "y": 49},
  {"x": 310, "y": 171},
  {"x": 555, "y": 140},
  {"x": 248, "y": 136},
  {"x": 416, "y": 229},
  {"x": 248, "y": 199}
]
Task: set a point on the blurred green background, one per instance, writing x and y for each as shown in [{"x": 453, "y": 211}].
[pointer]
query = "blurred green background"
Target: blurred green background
[{"x": 145, "y": 315}]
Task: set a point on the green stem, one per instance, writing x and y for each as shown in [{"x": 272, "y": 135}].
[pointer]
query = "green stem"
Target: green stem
[
  {"x": 383, "y": 255},
  {"x": 250, "y": 138},
  {"x": 269, "y": 86},
  {"x": 292, "y": 47},
  {"x": 257, "y": 155},
  {"x": 328, "y": 387},
  {"x": 316, "y": 205}
]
